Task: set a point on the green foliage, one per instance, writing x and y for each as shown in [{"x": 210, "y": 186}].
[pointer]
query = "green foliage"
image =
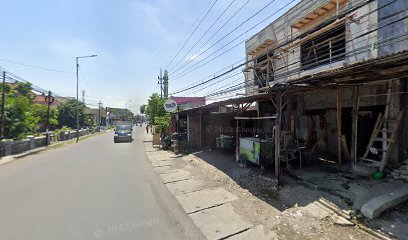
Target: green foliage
[
  {"x": 23, "y": 118},
  {"x": 19, "y": 118},
  {"x": 143, "y": 109},
  {"x": 67, "y": 114},
  {"x": 163, "y": 123},
  {"x": 24, "y": 89},
  {"x": 40, "y": 112},
  {"x": 155, "y": 108},
  {"x": 19, "y": 121}
]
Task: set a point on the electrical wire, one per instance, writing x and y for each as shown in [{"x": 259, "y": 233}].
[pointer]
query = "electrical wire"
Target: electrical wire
[
  {"x": 34, "y": 66},
  {"x": 195, "y": 29},
  {"x": 227, "y": 44},
  {"x": 237, "y": 27},
  {"x": 286, "y": 42},
  {"x": 215, "y": 33},
  {"x": 202, "y": 36}
]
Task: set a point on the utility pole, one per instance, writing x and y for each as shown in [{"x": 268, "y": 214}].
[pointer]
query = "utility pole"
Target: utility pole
[
  {"x": 3, "y": 99},
  {"x": 77, "y": 97},
  {"x": 99, "y": 112},
  {"x": 166, "y": 84},
  {"x": 77, "y": 101},
  {"x": 160, "y": 82},
  {"x": 48, "y": 99}
]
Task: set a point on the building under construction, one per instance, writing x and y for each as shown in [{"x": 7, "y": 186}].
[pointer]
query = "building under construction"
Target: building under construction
[{"x": 329, "y": 79}]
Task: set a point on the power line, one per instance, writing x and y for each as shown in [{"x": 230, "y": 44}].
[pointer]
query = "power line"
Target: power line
[
  {"x": 34, "y": 66},
  {"x": 215, "y": 33},
  {"x": 202, "y": 36},
  {"x": 211, "y": 79},
  {"x": 225, "y": 45},
  {"x": 215, "y": 73},
  {"x": 226, "y": 35},
  {"x": 195, "y": 29},
  {"x": 286, "y": 42}
]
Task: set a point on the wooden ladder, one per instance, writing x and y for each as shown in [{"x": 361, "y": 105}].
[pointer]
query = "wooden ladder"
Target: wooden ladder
[{"x": 387, "y": 136}]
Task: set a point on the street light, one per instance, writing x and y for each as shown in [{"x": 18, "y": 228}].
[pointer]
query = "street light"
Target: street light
[{"x": 77, "y": 98}]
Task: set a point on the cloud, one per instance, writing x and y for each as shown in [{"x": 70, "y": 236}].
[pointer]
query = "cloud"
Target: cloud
[
  {"x": 74, "y": 46},
  {"x": 150, "y": 15},
  {"x": 194, "y": 57}
]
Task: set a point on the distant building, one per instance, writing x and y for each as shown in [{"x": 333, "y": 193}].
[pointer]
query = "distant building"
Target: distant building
[
  {"x": 189, "y": 102},
  {"x": 40, "y": 99},
  {"x": 98, "y": 116}
]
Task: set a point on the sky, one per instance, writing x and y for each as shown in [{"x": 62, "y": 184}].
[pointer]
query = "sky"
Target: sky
[{"x": 133, "y": 40}]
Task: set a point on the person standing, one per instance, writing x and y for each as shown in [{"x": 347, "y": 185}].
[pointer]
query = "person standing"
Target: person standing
[{"x": 147, "y": 128}]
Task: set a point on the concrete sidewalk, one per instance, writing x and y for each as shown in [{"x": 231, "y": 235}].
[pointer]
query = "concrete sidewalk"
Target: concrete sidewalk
[
  {"x": 229, "y": 202},
  {"x": 209, "y": 208}
]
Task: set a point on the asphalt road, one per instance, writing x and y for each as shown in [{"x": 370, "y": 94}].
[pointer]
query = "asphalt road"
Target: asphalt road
[{"x": 91, "y": 190}]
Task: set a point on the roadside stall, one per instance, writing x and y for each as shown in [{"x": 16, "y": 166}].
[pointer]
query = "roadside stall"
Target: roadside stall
[{"x": 259, "y": 148}]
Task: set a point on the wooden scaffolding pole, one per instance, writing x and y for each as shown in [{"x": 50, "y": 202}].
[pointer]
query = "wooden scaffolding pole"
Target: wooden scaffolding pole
[
  {"x": 354, "y": 125},
  {"x": 338, "y": 120},
  {"x": 201, "y": 129},
  {"x": 277, "y": 133}
]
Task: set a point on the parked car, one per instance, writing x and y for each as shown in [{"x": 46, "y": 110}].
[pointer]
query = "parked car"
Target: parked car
[{"x": 123, "y": 133}]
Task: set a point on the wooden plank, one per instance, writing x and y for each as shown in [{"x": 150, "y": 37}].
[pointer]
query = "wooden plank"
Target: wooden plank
[
  {"x": 338, "y": 121},
  {"x": 344, "y": 149},
  {"x": 314, "y": 34},
  {"x": 355, "y": 93}
]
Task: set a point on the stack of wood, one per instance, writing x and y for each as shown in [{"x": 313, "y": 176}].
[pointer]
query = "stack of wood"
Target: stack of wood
[{"x": 401, "y": 172}]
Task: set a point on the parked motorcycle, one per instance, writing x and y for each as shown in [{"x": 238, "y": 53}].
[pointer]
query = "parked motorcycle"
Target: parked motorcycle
[{"x": 165, "y": 141}]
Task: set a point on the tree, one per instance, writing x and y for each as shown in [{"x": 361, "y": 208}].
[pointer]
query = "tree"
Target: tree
[
  {"x": 19, "y": 120},
  {"x": 163, "y": 122},
  {"x": 40, "y": 113},
  {"x": 67, "y": 114},
  {"x": 155, "y": 107},
  {"x": 143, "y": 109}
]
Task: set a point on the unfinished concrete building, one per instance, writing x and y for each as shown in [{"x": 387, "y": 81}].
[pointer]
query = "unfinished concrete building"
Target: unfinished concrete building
[{"x": 337, "y": 74}]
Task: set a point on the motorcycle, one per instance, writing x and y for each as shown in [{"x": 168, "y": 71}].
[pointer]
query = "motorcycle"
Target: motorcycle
[{"x": 165, "y": 142}]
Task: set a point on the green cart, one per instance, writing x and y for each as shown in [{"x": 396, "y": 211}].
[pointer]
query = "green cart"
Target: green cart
[{"x": 257, "y": 151}]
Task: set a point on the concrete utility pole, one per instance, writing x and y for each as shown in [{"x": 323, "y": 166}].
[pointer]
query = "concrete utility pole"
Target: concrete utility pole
[
  {"x": 99, "y": 112},
  {"x": 49, "y": 99},
  {"x": 166, "y": 84},
  {"x": 160, "y": 82},
  {"x": 83, "y": 96},
  {"x": 3, "y": 99},
  {"x": 77, "y": 97}
]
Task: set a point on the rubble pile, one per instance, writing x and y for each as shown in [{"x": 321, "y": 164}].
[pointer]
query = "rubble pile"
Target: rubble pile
[{"x": 401, "y": 172}]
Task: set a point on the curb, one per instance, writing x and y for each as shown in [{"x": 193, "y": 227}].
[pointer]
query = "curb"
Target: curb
[{"x": 11, "y": 158}]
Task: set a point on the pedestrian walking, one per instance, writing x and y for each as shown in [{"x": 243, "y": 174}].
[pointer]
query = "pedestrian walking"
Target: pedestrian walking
[{"x": 147, "y": 128}]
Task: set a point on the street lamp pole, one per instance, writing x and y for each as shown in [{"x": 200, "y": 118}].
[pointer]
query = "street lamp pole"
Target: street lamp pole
[{"x": 77, "y": 95}]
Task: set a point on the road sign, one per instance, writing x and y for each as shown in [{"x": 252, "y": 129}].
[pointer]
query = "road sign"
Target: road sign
[{"x": 170, "y": 105}]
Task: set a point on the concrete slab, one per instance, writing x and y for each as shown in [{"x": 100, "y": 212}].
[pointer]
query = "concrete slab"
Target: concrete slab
[
  {"x": 175, "y": 176},
  {"x": 195, "y": 201},
  {"x": 255, "y": 233},
  {"x": 159, "y": 159},
  {"x": 377, "y": 205},
  {"x": 165, "y": 169},
  {"x": 219, "y": 222},
  {"x": 161, "y": 163},
  {"x": 184, "y": 186},
  {"x": 317, "y": 210}
]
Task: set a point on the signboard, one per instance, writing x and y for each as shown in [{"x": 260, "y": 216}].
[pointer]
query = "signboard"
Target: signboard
[{"x": 170, "y": 105}]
